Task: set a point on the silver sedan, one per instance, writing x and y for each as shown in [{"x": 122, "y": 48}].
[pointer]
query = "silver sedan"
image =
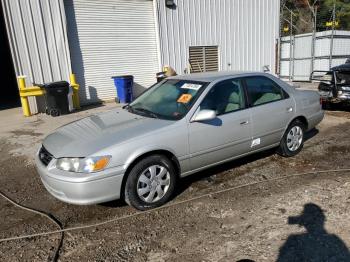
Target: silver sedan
[{"x": 177, "y": 127}]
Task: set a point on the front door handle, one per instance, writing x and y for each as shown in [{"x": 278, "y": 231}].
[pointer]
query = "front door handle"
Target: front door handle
[
  {"x": 290, "y": 109},
  {"x": 244, "y": 123}
]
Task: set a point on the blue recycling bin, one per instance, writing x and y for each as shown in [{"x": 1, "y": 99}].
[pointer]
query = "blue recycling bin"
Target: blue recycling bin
[{"x": 124, "y": 87}]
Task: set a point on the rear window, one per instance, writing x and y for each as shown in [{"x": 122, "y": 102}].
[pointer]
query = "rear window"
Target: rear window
[{"x": 262, "y": 90}]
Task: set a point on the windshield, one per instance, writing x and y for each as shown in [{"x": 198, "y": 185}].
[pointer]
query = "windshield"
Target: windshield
[{"x": 170, "y": 100}]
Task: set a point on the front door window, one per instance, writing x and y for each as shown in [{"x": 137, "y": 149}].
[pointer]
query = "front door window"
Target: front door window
[{"x": 225, "y": 97}]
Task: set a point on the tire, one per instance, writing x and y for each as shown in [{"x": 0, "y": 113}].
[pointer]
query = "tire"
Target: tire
[
  {"x": 288, "y": 147},
  {"x": 140, "y": 186},
  {"x": 54, "y": 112}
]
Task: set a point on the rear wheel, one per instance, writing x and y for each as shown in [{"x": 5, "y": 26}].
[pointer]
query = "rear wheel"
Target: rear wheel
[
  {"x": 293, "y": 139},
  {"x": 151, "y": 183}
]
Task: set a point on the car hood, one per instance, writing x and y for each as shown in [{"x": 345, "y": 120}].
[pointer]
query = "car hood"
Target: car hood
[
  {"x": 344, "y": 67},
  {"x": 94, "y": 133}
]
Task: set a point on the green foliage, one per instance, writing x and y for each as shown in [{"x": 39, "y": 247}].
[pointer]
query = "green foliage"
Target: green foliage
[
  {"x": 342, "y": 14},
  {"x": 303, "y": 15}
]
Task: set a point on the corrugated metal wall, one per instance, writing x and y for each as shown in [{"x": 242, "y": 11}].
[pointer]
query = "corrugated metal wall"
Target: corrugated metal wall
[
  {"x": 113, "y": 37},
  {"x": 110, "y": 38},
  {"x": 245, "y": 31},
  {"x": 38, "y": 40}
]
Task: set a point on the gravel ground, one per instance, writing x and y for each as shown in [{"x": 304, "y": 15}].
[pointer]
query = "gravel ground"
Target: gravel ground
[{"x": 303, "y": 218}]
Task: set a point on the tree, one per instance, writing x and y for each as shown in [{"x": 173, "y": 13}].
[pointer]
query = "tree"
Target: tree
[
  {"x": 342, "y": 14},
  {"x": 303, "y": 14}
]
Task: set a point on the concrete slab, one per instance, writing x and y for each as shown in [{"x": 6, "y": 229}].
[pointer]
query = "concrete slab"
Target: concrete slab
[{"x": 28, "y": 132}]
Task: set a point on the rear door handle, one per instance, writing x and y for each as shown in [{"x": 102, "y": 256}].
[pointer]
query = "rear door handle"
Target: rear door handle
[
  {"x": 244, "y": 123},
  {"x": 290, "y": 109}
]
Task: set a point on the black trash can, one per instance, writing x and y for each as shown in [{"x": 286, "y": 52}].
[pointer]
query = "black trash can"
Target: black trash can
[{"x": 57, "y": 98}]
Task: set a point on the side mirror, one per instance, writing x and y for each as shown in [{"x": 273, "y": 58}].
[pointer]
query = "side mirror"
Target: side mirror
[{"x": 204, "y": 115}]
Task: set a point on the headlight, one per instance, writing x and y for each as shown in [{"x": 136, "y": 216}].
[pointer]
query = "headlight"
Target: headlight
[
  {"x": 326, "y": 77},
  {"x": 83, "y": 165}
]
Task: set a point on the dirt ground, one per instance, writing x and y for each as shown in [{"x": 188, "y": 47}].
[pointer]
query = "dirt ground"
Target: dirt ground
[{"x": 302, "y": 218}]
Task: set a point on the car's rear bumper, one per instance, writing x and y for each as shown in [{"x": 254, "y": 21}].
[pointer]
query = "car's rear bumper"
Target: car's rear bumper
[
  {"x": 84, "y": 190},
  {"x": 315, "y": 119}
]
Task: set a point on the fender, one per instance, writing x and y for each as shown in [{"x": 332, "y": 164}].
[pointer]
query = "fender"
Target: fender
[{"x": 145, "y": 150}]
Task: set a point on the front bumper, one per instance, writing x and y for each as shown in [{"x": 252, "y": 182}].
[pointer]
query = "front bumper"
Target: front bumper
[
  {"x": 82, "y": 189},
  {"x": 344, "y": 96},
  {"x": 325, "y": 95}
]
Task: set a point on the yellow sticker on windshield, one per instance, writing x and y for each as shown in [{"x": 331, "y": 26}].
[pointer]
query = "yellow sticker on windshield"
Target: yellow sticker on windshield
[{"x": 184, "y": 98}]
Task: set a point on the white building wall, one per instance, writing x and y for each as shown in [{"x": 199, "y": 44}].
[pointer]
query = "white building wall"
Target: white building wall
[
  {"x": 244, "y": 30},
  {"x": 38, "y": 41}
]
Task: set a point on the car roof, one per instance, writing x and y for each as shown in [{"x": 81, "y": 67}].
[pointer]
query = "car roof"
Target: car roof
[{"x": 213, "y": 76}]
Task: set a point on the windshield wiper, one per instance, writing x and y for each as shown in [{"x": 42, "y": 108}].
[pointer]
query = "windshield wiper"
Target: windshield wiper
[{"x": 146, "y": 111}]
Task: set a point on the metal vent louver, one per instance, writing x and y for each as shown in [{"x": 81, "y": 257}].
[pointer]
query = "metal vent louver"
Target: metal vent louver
[{"x": 203, "y": 58}]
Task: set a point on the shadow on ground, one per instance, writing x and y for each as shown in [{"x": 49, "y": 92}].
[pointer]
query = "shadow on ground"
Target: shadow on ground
[
  {"x": 90, "y": 106},
  {"x": 316, "y": 244}
]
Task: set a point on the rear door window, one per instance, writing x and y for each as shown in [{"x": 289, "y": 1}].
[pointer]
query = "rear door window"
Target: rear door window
[{"x": 262, "y": 90}]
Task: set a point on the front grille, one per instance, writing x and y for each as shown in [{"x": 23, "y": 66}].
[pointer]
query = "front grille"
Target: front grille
[{"x": 44, "y": 156}]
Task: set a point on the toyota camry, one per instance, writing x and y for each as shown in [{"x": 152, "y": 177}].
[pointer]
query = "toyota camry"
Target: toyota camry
[{"x": 179, "y": 126}]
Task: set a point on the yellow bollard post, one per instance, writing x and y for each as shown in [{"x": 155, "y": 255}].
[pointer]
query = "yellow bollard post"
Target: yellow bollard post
[
  {"x": 24, "y": 99},
  {"x": 75, "y": 86}
]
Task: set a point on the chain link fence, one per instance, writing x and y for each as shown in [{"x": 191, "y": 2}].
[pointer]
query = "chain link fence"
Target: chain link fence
[{"x": 315, "y": 35}]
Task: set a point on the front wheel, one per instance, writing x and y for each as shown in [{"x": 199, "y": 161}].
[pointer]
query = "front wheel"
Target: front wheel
[
  {"x": 293, "y": 139},
  {"x": 151, "y": 183}
]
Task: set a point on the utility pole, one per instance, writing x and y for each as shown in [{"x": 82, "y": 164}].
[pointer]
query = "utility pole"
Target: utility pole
[
  {"x": 290, "y": 46},
  {"x": 313, "y": 40},
  {"x": 313, "y": 9},
  {"x": 332, "y": 37}
]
